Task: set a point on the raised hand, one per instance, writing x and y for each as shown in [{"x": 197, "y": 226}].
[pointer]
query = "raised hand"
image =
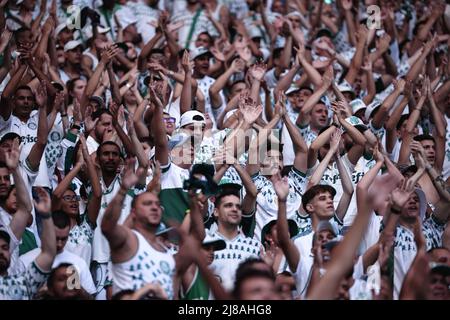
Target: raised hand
[
  {"x": 109, "y": 53},
  {"x": 280, "y": 106},
  {"x": 217, "y": 54},
  {"x": 250, "y": 111},
  {"x": 41, "y": 95},
  {"x": 44, "y": 204},
  {"x": 12, "y": 157},
  {"x": 281, "y": 186},
  {"x": 383, "y": 42},
  {"x": 367, "y": 66},
  {"x": 83, "y": 147},
  {"x": 89, "y": 123},
  {"x": 335, "y": 139},
  {"x": 347, "y": 4},
  {"x": 185, "y": 62},
  {"x": 399, "y": 84},
  {"x": 129, "y": 177},
  {"x": 401, "y": 194},
  {"x": 257, "y": 71},
  {"x": 238, "y": 65}
]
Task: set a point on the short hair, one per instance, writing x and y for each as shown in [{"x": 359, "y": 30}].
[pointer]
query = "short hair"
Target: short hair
[
  {"x": 5, "y": 236},
  {"x": 24, "y": 87},
  {"x": 249, "y": 274},
  {"x": 104, "y": 143},
  {"x": 98, "y": 113},
  {"x": 437, "y": 248},
  {"x": 423, "y": 137},
  {"x": 314, "y": 191},
  {"x": 119, "y": 295},
  {"x": 402, "y": 119},
  {"x": 277, "y": 52},
  {"x": 60, "y": 219},
  {"x": 52, "y": 275},
  {"x": 223, "y": 194}
]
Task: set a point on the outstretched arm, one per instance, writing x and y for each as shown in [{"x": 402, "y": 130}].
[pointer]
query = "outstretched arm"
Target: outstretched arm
[
  {"x": 24, "y": 206},
  {"x": 48, "y": 237},
  {"x": 281, "y": 186}
]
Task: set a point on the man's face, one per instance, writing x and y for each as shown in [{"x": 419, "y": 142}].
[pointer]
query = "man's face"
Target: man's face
[
  {"x": 5, "y": 182},
  {"x": 344, "y": 289},
  {"x": 24, "y": 102},
  {"x": 5, "y": 256},
  {"x": 430, "y": 150},
  {"x": 74, "y": 56},
  {"x": 104, "y": 124},
  {"x": 147, "y": 210},
  {"x": 322, "y": 206},
  {"x": 201, "y": 64},
  {"x": 202, "y": 41},
  {"x": 412, "y": 207},
  {"x": 439, "y": 286},
  {"x": 319, "y": 116},
  {"x": 258, "y": 288},
  {"x": 323, "y": 237},
  {"x": 271, "y": 163},
  {"x": 59, "y": 286},
  {"x": 61, "y": 238},
  {"x": 109, "y": 158},
  {"x": 229, "y": 211}
]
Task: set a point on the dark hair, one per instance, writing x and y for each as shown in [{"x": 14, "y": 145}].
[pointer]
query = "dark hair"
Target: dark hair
[
  {"x": 437, "y": 248},
  {"x": 225, "y": 193},
  {"x": 19, "y": 31},
  {"x": 119, "y": 295},
  {"x": 314, "y": 191},
  {"x": 105, "y": 143},
  {"x": 24, "y": 87},
  {"x": 70, "y": 86},
  {"x": 249, "y": 274},
  {"x": 52, "y": 275},
  {"x": 402, "y": 119},
  {"x": 209, "y": 36},
  {"x": 5, "y": 236},
  {"x": 98, "y": 113},
  {"x": 277, "y": 52},
  {"x": 423, "y": 137},
  {"x": 60, "y": 219}
]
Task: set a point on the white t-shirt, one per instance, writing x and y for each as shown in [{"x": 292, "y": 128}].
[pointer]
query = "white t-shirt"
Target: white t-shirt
[
  {"x": 226, "y": 261},
  {"x": 65, "y": 256},
  {"x": 267, "y": 199}
]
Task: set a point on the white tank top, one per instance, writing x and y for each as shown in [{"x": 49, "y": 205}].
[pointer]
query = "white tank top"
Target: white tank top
[{"x": 148, "y": 265}]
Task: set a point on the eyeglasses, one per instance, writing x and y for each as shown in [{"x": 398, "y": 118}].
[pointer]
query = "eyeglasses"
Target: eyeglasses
[
  {"x": 169, "y": 120},
  {"x": 71, "y": 198}
]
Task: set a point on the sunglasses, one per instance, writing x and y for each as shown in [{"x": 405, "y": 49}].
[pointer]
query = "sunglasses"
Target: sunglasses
[{"x": 169, "y": 120}]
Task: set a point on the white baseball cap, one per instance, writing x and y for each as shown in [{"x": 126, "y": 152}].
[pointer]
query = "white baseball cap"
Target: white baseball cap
[
  {"x": 72, "y": 44},
  {"x": 60, "y": 28},
  {"x": 255, "y": 32},
  {"x": 357, "y": 105},
  {"x": 356, "y": 122},
  {"x": 197, "y": 52},
  {"x": 88, "y": 31},
  {"x": 345, "y": 87},
  {"x": 371, "y": 108},
  {"x": 192, "y": 116}
]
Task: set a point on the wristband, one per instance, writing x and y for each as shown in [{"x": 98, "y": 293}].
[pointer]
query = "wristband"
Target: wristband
[
  {"x": 75, "y": 126},
  {"x": 45, "y": 216},
  {"x": 396, "y": 210},
  {"x": 63, "y": 115}
]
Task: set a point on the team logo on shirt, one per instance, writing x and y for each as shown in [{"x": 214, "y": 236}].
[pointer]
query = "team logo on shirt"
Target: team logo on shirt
[
  {"x": 32, "y": 125},
  {"x": 55, "y": 136},
  {"x": 165, "y": 267}
]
